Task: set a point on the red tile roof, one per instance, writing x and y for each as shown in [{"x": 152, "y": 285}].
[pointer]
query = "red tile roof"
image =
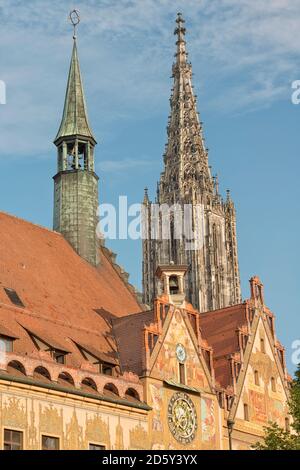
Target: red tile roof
[
  {"x": 128, "y": 332},
  {"x": 65, "y": 297},
  {"x": 220, "y": 329}
]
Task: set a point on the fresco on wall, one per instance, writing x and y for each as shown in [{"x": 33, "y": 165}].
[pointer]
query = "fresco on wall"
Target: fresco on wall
[
  {"x": 258, "y": 406},
  {"x": 156, "y": 392},
  {"x": 208, "y": 423},
  {"x": 75, "y": 428},
  {"x": 276, "y": 412},
  {"x": 166, "y": 365}
]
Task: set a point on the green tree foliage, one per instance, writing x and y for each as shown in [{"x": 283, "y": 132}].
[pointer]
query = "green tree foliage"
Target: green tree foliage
[{"x": 276, "y": 438}]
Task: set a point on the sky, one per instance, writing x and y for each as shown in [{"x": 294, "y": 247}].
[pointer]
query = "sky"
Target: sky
[{"x": 245, "y": 56}]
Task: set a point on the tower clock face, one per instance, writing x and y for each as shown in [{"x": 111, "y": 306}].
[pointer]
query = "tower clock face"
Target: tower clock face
[
  {"x": 182, "y": 418},
  {"x": 180, "y": 352}
]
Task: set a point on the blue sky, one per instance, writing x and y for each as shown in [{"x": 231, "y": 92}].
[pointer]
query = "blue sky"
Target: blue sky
[{"x": 245, "y": 56}]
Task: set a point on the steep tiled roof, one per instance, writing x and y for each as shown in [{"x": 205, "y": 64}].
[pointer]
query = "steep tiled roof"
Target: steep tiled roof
[
  {"x": 128, "y": 332},
  {"x": 63, "y": 295},
  {"x": 220, "y": 329}
]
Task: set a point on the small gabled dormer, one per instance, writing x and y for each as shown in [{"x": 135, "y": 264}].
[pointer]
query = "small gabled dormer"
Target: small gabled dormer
[{"x": 172, "y": 283}]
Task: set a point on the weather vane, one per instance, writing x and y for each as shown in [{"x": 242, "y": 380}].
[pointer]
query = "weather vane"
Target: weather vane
[{"x": 75, "y": 20}]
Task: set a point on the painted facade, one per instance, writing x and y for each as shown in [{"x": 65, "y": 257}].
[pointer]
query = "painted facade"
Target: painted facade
[
  {"x": 76, "y": 422},
  {"x": 163, "y": 383}
]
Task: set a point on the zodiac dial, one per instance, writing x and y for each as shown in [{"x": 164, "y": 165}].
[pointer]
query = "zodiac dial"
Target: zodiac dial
[{"x": 182, "y": 418}]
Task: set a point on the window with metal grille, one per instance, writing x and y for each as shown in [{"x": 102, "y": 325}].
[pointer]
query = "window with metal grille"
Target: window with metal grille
[
  {"x": 96, "y": 447},
  {"x": 13, "y": 440},
  {"x": 50, "y": 443},
  {"x": 13, "y": 297}
]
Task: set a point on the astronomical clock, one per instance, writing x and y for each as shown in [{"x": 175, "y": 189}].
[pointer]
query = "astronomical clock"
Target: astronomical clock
[{"x": 182, "y": 418}]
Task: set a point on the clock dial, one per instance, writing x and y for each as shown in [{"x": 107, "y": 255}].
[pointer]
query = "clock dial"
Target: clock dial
[
  {"x": 180, "y": 352},
  {"x": 182, "y": 418}
]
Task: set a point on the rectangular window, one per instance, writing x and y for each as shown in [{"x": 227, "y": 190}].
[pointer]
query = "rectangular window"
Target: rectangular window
[
  {"x": 262, "y": 345},
  {"x": 6, "y": 344},
  {"x": 50, "y": 443},
  {"x": 181, "y": 373},
  {"x": 13, "y": 440},
  {"x": 246, "y": 412},
  {"x": 106, "y": 369},
  {"x": 59, "y": 357},
  {"x": 256, "y": 377},
  {"x": 273, "y": 384},
  {"x": 96, "y": 447}
]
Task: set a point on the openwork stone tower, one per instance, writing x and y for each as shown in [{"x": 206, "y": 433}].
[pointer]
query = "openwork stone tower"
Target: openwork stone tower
[{"x": 212, "y": 279}]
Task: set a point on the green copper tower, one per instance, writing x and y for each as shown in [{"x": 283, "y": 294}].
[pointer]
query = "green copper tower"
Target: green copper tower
[{"x": 76, "y": 183}]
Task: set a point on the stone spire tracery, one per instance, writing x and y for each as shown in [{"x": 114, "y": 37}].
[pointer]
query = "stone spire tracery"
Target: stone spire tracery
[{"x": 212, "y": 279}]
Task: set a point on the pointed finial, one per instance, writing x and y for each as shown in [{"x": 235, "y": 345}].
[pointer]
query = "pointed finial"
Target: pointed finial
[
  {"x": 180, "y": 30},
  {"x": 75, "y": 20},
  {"x": 146, "y": 198}
]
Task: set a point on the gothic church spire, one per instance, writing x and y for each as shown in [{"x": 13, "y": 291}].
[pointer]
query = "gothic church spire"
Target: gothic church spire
[{"x": 186, "y": 155}]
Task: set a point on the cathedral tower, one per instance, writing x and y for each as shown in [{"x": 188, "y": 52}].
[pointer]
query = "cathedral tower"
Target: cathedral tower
[
  {"x": 212, "y": 279},
  {"x": 76, "y": 183}
]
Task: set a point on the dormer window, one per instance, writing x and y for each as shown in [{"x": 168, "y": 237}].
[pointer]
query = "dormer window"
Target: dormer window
[
  {"x": 6, "y": 344},
  {"x": 105, "y": 368},
  {"x": 174, "y": 285},
  {"x": 59, "y": 356}
]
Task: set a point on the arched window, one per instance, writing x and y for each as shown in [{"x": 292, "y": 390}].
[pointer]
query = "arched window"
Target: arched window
[
  {"x": 16, "y": 368},
  {"x": 110, "y": 390},
  {"x": 41, "y": 373},
  {"x": 173, "y": 285},
  {"x": 262, "y": 345},
  {"x": 88, "y": 384},
  {"x": 65, "y": 379},
  {"x": 256, "y": 377},
  {"x": 131, "y": 393}
]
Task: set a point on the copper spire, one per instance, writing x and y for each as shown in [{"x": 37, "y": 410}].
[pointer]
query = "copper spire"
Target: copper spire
[{"x": 75, "y": 118}]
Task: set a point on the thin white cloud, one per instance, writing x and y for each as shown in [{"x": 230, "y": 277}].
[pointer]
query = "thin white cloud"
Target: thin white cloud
[{"x": 245, "y": 54}]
